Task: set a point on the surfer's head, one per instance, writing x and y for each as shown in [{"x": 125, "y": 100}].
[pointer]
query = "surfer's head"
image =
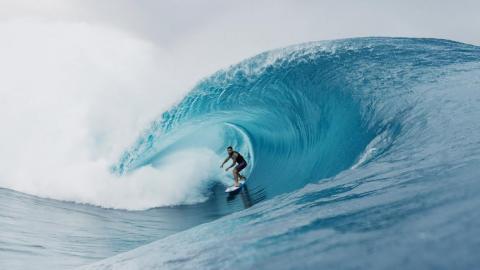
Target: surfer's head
[{"x": 230, "y": 150}]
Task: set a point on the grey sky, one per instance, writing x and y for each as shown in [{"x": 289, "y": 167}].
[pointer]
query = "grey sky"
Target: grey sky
[
  {"x": 197, "y": 38},
  {"x": 261, "y": 25}
]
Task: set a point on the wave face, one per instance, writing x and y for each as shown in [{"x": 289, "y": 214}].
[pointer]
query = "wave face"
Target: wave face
[
  {"x": 295, "y": 114},
  {"x": 385, "y": 130}
]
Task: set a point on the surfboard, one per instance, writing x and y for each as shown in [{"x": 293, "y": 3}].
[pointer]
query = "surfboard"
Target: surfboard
[{"x": 233, "y": 188}]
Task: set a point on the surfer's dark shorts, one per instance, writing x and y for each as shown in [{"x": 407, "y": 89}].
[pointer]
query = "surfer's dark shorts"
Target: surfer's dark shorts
[{"x": 241, "y": 166}]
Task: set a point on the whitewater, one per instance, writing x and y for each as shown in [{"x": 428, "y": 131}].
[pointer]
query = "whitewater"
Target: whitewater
[{"x": 363, "y": 154}]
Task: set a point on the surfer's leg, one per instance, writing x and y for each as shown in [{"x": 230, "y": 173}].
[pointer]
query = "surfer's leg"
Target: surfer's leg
[
  {"x": 235, "y": 176},
  {"x": 239, "y": 168}
]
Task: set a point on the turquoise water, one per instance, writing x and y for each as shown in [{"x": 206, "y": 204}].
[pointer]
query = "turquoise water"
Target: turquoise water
[{"x": 364, "y": 154}]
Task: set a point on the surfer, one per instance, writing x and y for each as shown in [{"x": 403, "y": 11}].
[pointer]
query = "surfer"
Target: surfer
[{"x": 236, "y": 158}]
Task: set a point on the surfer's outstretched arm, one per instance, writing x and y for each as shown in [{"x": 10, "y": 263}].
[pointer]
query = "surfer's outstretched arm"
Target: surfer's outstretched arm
[
  {"x": 225, "y": 161},
  {"x": 233, "y": 164}
]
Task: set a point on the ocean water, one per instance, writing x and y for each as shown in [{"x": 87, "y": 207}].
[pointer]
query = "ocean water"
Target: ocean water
[{"x": 363, "y": 154}]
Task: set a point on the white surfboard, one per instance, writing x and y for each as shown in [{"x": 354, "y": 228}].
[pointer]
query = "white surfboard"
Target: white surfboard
[{"x": 234, "y": 188}]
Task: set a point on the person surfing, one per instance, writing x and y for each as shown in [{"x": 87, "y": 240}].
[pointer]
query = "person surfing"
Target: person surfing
[{"x": 239, "y": 160}]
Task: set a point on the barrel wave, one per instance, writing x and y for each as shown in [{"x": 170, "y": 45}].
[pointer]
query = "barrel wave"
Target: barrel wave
[
  {"x": 367, "y": 150},
  {"x": 295, "y": 113},
  {"x": 303, "y": 113}
]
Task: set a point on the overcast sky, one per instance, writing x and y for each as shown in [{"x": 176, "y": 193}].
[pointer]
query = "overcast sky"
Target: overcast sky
[{"x": 218, "y": 33}]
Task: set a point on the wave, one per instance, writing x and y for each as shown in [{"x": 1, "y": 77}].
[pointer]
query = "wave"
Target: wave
[
  {"x": 298, "y": 114},
  {"x": 304, "y": 113},
  {"x": 385, "y": 130}
]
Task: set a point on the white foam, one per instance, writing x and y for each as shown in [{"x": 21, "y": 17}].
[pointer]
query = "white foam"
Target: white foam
[{"x": 73, "y": 96}]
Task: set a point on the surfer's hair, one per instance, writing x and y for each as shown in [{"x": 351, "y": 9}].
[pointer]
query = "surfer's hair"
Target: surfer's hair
[{"x": 229, "y": 147}]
